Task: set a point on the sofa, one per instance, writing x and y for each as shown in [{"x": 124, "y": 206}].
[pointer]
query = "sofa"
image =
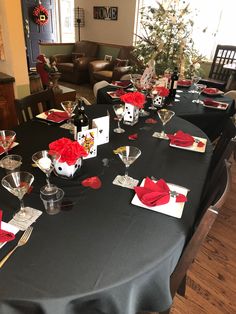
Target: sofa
[{"x": 88, "y": 62}]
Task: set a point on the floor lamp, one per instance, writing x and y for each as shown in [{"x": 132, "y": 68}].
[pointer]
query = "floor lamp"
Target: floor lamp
[{"x": 80, "y": 20}]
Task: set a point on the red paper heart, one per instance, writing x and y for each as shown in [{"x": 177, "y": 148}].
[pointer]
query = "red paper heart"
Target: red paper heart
[
  {"x": 92, "y": 182},
  {"x": 133, "y": 137},
  {"x": 200, "y": 144},
  {"x": 151, "y": 121}
]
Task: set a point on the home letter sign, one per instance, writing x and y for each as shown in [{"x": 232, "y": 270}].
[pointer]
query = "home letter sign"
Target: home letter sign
[{"x": 105, "y": 13}]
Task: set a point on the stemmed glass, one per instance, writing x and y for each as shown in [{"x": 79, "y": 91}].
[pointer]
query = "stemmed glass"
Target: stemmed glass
[
  {"x": 119, "y": 111},
  {"x": 165, "y": 116},
  {"x": 128, "y": 154},
  {"x": 69, "y": 107},
  {"x": 200, "y": 88},
  {"x": 45, "y": 160},
  {"x": 195, "y": 80},
  {"x": 18, "y": 183},
  {"x": 6, "y": 139}
]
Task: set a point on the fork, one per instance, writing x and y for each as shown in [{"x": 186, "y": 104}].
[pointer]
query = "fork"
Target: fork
[{"x": 23, "y": 240}]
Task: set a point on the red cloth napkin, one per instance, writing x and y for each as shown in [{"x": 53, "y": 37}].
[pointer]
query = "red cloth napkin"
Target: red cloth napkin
[
  {"x": 57, "y": 116},
  {"x": 121, "y": 83},
  {"x": 210, "y": 90},
  {"x": 185, "y": 82},
  {"x": 181, "y": 139},
  {"x": 155, "y": 194},
  {"x": 212, "y": 103},
  {"x": 92, "y": 182},
  {"x": 5, "y": 236},
  {"x": 119, "y": 92}
]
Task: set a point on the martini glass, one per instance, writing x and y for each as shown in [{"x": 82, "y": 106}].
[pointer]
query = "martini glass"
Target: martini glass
[
  {"x": 128, "y": 154},
  {"x": 165, "y": 116},
  {"x": 6, "y": 139},
  {"x": 18, "y": 183},
  {"x": 45, "y": 160},
  {"x": 119, "y": 111},
  {"x": 200, "y": 88},
  {"x": 69, "y": 107}
]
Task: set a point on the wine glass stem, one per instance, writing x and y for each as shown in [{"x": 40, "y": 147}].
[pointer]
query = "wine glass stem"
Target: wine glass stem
[
  {"x": 118, "y": 124},
  {"x": 22, "y": 207},
  {"x": 163, "y": 130},
  {"x": 126, "y": 171},
  {"x": 48, "y": 182}
]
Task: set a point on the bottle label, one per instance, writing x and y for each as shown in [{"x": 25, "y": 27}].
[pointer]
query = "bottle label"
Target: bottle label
[{"x": 175, "y": 84}]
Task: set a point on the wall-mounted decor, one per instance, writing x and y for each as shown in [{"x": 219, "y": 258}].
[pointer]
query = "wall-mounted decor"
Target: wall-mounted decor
[
  {"x": 105, "y": 13},
  {"x": 108, "y": 58},
  {"x": 2, "y": 54}
]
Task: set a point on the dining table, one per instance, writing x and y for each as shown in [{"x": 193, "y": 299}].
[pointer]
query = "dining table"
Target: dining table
[
  {"x": 101, "y": 254},
  {"x": 210, "y": 120}
]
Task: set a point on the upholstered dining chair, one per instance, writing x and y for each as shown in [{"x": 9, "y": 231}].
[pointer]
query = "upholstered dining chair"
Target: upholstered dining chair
[
  {"x": 31, "y": 105},
  {"x": 222, "y": 185},
  {"x": 218, "y": 76}
]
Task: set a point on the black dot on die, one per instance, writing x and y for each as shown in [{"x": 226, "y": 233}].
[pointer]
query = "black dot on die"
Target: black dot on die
[
  {"x": 60, "y": 168},
  {"x": 76, "y": 166}
]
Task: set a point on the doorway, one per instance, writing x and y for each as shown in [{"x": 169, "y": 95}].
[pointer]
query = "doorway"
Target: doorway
[{"x": 35, "y": 33}]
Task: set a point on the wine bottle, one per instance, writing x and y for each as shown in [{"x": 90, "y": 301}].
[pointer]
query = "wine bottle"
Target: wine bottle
[
  {"x": 173, "y": 83},
  {"x": 81, "y": 121}
]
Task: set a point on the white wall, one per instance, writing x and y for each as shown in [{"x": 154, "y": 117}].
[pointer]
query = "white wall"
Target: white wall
[{"x": 113, "y": 32}]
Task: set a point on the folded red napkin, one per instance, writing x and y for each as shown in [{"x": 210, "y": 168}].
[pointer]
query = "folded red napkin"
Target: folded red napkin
[
  {"x": 211, "y": 90},
  {"x": 181, "y": 139},
  {"x": 57, "y": 116},
  {"x": 185, "y": 82},
  {"x": 93, "y": 182},
  {"x": 121, "y": 83},
  {"x": 5, "y": 236},
  {"x": 155, "y": 194},
  {"x": 119, "y": 92},
  {"x": 212, "y": 103}
]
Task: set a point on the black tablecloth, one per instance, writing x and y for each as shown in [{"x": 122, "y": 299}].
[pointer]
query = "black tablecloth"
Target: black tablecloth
[
  {"x": 104, "y": 255},
  {"x": 211, "y": 121}
]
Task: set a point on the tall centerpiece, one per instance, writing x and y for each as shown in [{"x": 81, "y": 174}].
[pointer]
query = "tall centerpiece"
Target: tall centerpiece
[
  {"x": 71, "y": 153},
  {"x": 133, "y": 102}
]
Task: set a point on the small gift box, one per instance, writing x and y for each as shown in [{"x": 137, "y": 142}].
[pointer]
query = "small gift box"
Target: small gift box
[
  {"x": 133, "y": 102},
  {"x": 71, "y": 153}
]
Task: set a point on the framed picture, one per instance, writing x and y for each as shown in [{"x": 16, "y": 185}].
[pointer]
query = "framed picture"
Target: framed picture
[
  {"x": 108, "y": 58},
  {"x": 105, "y": 13}
]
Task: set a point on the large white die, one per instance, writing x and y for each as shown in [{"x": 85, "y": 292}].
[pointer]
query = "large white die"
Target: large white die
[
  {"x": 64, "y": 170},
  {"x": 131, "y": 114}
]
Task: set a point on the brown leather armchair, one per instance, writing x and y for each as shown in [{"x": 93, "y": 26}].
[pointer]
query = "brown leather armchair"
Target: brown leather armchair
[
  {"x": 74, "y": 67},
  {"x": 100, "y": 70}
]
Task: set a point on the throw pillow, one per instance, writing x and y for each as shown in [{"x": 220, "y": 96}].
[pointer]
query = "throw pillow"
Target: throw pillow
[{"x": 120, "y": 63}]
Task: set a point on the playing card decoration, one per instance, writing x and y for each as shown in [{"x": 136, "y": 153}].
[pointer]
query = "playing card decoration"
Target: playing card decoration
[{"x": 102, "y": 124}]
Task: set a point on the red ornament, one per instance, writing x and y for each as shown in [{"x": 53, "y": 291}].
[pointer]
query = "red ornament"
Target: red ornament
[{"x": 40, "y": 14}]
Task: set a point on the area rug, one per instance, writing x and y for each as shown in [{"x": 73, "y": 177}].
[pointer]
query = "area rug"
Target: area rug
[{"x": 84, "y": 90}]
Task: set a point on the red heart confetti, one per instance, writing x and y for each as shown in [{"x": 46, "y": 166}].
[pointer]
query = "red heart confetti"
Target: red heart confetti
[
  {"x": 133, "y": 137},
  {"x": 92, "y": 182},
  {"x": 151, "y": 121},
  {"x": 200, "y": 144}
]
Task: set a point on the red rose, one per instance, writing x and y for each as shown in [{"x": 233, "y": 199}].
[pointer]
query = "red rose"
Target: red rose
[
  {"x": 69, "y": 150},
  {"x": 162, "y": 91},
  {"x": 136, "y": 99}
]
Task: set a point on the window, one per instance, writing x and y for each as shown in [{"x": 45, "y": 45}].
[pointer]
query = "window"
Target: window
[
  {"x": 66, "y": 21},
  {"x": 215, "y": 17}
]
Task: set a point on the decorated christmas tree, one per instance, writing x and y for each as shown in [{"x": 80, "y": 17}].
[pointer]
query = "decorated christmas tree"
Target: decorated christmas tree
[{"x": 166, "y": 37}]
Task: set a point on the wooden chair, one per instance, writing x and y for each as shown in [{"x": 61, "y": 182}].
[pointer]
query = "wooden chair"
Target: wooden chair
[
  {"x": 219, "y": 76},
  {"x": 30, "y": 106},
  {"x": 178, "y": 277}
]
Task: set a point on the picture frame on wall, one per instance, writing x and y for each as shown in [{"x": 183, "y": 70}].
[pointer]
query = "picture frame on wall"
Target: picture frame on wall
[
  {"x": 108, "y": 58},
  {"x": 105, "y": 13}
]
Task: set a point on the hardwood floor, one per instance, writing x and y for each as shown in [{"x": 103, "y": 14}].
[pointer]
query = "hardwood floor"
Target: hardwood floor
[{"x": 211, "y": 280}]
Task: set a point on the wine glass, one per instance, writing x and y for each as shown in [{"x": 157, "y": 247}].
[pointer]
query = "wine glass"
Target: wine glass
[
  {"x": 69, "y": 107},
  {"x": 45, "y": 160},
  {"x": 128, "y": 154},
  {"x": 6, "y": 139},
  {"x": 119, "y": 111},
  {"x": 195, "y": 80},
  {"x": 200, "y": 88},
  {"x": 165, "y": 115},
  {"x": 18, "y": 183}
]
